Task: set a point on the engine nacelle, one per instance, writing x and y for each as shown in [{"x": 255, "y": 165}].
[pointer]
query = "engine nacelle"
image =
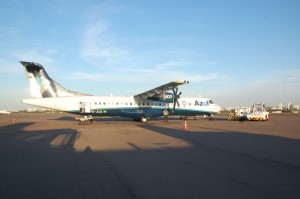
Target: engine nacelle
[{"x": 164, "y": 97}]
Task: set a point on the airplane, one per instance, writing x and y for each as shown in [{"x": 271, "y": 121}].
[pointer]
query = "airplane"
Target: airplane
[{"x": 141, "y": 107}]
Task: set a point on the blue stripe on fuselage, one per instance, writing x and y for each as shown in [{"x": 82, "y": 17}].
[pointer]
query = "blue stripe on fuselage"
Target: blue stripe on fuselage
[{"x": 138, "y": 112}]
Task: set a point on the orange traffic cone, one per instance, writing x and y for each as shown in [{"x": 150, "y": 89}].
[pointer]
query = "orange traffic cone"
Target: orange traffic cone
[
  {"x": 185, "y": 126},
  {"x": 14, "y": 121}
]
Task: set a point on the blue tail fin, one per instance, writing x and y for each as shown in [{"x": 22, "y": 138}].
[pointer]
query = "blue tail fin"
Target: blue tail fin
[{"x": 41, "y": 85}]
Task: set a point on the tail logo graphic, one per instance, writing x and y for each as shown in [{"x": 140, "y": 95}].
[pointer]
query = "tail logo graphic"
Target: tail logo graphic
[{"x": 41, "y": 85}]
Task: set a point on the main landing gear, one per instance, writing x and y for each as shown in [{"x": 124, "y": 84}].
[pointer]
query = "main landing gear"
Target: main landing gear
[
  {"x": 141, "y": 119},
  {"x": 185, "y": 117}
]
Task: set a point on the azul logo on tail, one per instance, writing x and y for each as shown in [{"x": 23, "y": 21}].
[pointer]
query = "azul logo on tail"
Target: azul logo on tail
[{"x": 41, "y": 85}]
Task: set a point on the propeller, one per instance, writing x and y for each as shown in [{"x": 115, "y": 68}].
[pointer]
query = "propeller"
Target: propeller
[{"x": 176, "y": 97}]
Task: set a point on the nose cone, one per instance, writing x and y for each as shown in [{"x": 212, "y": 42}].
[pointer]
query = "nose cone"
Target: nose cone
[{"x": 218, "y": 108}]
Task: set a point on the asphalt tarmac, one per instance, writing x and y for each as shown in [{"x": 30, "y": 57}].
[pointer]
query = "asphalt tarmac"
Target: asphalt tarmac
[{"x": 50, "y": 156}]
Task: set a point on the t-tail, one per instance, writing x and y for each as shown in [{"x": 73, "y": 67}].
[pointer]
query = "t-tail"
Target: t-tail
[{"x": 41, "y": 85}]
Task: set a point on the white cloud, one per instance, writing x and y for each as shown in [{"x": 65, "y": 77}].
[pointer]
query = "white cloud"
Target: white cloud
[
  {"x": 141, "y": 76},
  {"x": 281, "y": 85},
  {"x": 212, "y": 62},
  {"x": 83, "y": 76},
  {"x": 105, "y": 8},
  {"x": 273, "y": 88},
  {"x": 172, "y": 64},
  {"x": 35, "y": 55},
  {"x": 206, "y": 77},
  {"x": 11, "y": 36},
  {"x": 99, "y": 46},
  {"x": 9, "y": 68}
]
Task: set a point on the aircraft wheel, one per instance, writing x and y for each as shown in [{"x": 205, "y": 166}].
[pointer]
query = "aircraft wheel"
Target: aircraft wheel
[
  {"x": 211, "y": 117},
  {"x": 143, "y": 119}
]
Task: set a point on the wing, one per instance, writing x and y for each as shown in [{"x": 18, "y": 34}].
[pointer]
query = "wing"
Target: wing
[{"x": 159, "y": 90}]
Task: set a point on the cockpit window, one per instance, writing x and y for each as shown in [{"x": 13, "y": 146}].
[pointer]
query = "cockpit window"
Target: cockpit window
[{"x": 210, "y": 101}]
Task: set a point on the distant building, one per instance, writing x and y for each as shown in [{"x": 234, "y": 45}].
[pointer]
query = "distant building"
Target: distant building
[
  {"x": 290, "y": 106},
  {"x": 280, "y": 106}
]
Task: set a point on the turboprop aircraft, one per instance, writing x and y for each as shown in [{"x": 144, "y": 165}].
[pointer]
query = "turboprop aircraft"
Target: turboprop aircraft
[{"x": 49, "y": 94}]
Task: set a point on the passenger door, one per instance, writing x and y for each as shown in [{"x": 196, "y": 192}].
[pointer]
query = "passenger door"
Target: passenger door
[{"x": 84, "y": 107}]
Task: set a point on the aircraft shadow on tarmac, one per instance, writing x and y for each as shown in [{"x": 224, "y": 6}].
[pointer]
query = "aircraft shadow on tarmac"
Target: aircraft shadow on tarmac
[
  {"x": 270, "y": 148},
  {"x": 44, "y": 164},
  {"x": 64, "y": 118}
]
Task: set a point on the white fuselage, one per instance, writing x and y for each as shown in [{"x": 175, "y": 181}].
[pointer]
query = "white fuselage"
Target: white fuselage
[{"x": 107, "y": 105}]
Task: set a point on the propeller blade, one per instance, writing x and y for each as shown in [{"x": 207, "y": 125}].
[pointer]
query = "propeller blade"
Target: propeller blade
[
  {"x": 177, "y": 103},
  {"x": 176, "y": 97},
  {"x": 173, "y": 107}
]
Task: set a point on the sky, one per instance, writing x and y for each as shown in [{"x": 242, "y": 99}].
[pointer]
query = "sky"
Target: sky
[{"x": 235, "y": 52}]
